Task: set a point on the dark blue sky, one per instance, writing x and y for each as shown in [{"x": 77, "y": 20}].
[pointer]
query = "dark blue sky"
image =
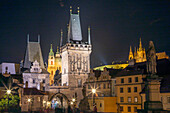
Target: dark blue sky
[{"x": 115, "y": 25}]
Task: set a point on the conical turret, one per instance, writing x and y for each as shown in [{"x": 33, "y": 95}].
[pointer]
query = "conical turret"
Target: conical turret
[{"x": 130, "y": 54}]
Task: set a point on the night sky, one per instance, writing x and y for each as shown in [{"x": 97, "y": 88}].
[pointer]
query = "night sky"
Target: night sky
[{"x": 115, "y": 25}]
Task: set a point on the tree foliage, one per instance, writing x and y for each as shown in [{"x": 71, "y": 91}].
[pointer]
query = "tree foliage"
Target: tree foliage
[{"x": 13, "y": 102}]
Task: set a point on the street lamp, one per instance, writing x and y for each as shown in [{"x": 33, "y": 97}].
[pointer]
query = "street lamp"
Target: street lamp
[
  {"x": 73, "y": 99},
  {"x": 29, "y": 100},
  {"x": 93, "y": 96},
  {"x": 8, "y": 93}
]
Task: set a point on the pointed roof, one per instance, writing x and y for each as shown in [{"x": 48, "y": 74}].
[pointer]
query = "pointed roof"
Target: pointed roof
[
  {"x": 51, "y": 53},
  {"x": 74, "y": 30},
  {"x": 33, "y": 52},
  {"x": 140, "y": 44}
]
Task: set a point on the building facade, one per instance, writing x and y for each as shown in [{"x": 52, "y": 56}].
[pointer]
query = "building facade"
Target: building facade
[
  {"x": 36, "y": 77},
  {"x": 105, "y": 96},
  {"x": 54, "y": 64},
  {"x": 128, "y": 86}
]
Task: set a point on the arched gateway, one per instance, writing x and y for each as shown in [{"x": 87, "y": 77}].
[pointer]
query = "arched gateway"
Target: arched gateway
[{"x": 59, "y": 100}]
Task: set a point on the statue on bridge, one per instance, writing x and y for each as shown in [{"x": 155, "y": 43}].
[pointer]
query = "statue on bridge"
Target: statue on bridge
[{"x": 151, "y": 59}]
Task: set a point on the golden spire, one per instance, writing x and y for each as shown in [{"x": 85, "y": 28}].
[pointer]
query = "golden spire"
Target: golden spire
[
  {"x": 78, "y": 10},
  {"x": 130, "y": 49},
  {"x": 140, "y": 45},
  {"x": 130, "y": 54},
  {"x": 70, "y": 9}
]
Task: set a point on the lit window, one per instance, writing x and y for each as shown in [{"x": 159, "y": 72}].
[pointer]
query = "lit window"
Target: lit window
[
  {"x": 129, "y": 109},
  {"x": 129, "y": 80},
  {"x": 121, "y": 99},
  {"x": 136, "y": 99},
  {"x": 129, "y": 89},
  {"x": 121, "y": 90},
  {"x": 51, "y": 62},
  {"x": 129, "y": 99},
  {"x": 136, "y": 79},
  {"x": 51, "y": 72},
  {"x": 135, "y": 89},
  {"x": 122, "y": 80}
]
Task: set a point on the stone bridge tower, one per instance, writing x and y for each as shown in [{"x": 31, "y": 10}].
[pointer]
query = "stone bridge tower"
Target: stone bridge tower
[{"x": 75, "y": 55}]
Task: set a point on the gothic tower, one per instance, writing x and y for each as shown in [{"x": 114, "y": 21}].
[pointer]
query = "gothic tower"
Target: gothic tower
[
  {"x": 75, "y": 55},
  {"x": 130, "y": 54},
  {"x": 51, "y": 65},
  {"x": 141, "y": 55}
]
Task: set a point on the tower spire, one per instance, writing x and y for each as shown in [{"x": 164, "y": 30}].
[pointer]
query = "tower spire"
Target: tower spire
[
  {"x": 140, "y": 45},
  {"x": 38, "y": 38},
  {"x": 78, "y": 10},
  {"x": 70, "y": 10},
  {"x": 28, "y": 38},
  {"x": 61, "y": 40},
  {"x": 130, "y": 54},
  {"x": 89, "y": 40},
  {"x": 51, "y": 51}
]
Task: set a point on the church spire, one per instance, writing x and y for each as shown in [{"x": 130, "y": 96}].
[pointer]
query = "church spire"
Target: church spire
[
  {"x": 89, "y": 40},
  {"x": 140, "y": 45},
  {"x": 130, "y": 54},
  {"x": 57, "y": 50},
  {"x": 51, "y": 51}
]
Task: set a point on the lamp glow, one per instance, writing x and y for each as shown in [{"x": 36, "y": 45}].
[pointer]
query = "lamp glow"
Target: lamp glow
[
  {"x": 8, "y": 92},
  {"x": 71, "y": 103},
  {"x": 73, "y": 99},
  {"x": 93, "y": 90},
  {"x": 29, "y": 100}
]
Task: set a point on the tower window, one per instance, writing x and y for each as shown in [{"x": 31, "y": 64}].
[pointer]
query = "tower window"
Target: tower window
[
  {"x": 51, "y": 72},
  {"x": 51, "y": 62}
]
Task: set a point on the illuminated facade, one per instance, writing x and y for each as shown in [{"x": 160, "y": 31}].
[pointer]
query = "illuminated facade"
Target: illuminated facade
[
  {"x": 162, "y": 55},
  {"x": 139, "y": 54},
  {"x": 128, "y": 87},
  {"x": 54, "y": 63},
  {"x": 105, "y": 96}
]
